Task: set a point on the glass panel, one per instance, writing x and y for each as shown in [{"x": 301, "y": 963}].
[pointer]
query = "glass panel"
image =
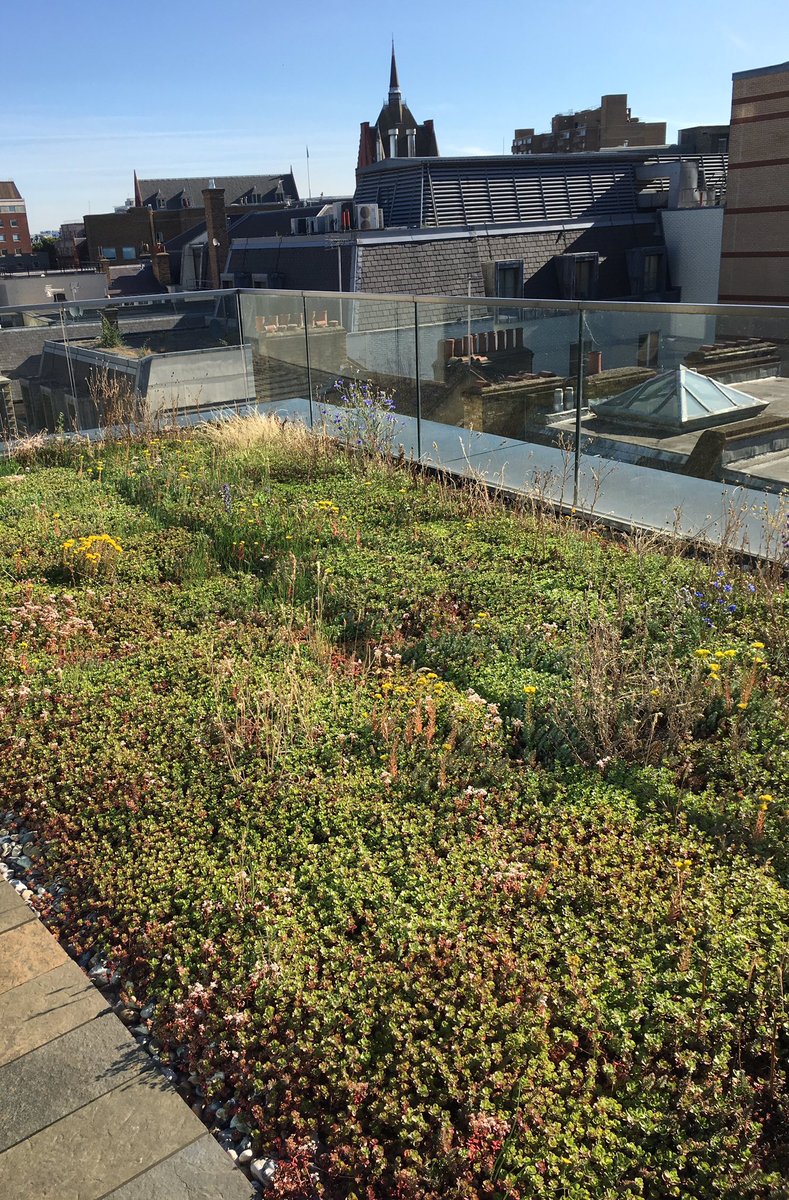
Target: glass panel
[
  {"x": 686, "y": 419},
  {"x": 88, "y": 363},
  {"x": 500, "y": 374},
  {"x": 364, "y": 372},
  {"x": 273, "y": 325}
]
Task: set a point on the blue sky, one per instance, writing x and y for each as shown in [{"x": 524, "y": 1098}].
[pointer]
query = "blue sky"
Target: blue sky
[{"x": 95, "y": 89}]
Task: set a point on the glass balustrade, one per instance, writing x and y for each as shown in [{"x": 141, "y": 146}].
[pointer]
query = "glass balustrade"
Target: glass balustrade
[{"x": 672, "y": 417}]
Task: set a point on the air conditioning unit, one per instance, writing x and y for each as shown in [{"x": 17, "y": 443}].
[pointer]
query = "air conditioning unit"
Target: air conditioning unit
[{"x": 367, "y": 216}]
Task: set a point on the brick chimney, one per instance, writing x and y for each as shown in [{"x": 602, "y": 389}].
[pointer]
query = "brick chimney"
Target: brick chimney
[
  {"x": 160, "y": 261},
  {"x": 216, "y": 228}
]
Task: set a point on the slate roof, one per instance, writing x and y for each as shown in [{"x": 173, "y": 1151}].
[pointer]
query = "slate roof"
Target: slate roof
[
  {"x": 9, "y": 190},
  {"x": 134, "y": 281},
  {"x": 271, "y": 224},
  {"x": 678, "y": 400},
  {"x": 175, "y": 191}
]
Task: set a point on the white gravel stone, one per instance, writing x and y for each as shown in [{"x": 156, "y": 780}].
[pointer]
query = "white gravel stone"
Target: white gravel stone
[{"x": 263, "y": 1169}]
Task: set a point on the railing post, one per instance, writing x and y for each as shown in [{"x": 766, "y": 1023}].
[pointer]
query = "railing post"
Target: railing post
[
  {"x": 579, "y": 399},
  {"x": 418, "y": 385},
  {"x": 309, "y": 364}
]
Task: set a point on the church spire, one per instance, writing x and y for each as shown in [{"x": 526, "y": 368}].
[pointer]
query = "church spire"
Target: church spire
[{"x": 394, "y": 82}]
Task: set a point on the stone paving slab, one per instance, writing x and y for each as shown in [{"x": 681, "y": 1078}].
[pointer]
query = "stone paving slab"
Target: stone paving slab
[
  {"x": 13, "y": 910},
  {"x": 42, "y": 1009},
  {"x": 26, "y": 952},
  {"x": 94, "y": 1150},
  {"x": 196, "y": 1173},
  {"x": 66, "y": 1074},
  {"x": 83, "y": 1112}
]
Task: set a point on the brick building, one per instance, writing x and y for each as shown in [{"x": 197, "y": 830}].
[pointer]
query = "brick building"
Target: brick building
[
  {"x": 755, "y": 252},
  {"x": 592, "y": 129},
  {"x": 14, "y": 229},
  {"x": 166, "y": 208}
]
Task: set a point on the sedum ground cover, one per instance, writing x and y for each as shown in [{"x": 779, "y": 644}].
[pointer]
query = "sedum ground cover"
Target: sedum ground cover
[{"x": 452, "y": 841}]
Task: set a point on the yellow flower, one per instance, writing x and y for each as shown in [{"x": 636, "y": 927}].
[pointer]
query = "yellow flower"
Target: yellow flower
[
  {"x": 766, "y": 798},
  {"x": 655, "y": 692},
  {"x": 757, "y": 645},
  {"x": 743, "y": 704},
  {"x": 701, "y": 653},
  {"x": 530, "y": 690}
]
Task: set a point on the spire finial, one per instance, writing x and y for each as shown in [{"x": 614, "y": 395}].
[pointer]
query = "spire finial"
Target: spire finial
[{"x": 394, "y": 82}]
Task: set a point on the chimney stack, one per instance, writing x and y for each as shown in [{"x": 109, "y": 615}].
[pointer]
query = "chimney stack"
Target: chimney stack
[{"x": 216, "y": 229}]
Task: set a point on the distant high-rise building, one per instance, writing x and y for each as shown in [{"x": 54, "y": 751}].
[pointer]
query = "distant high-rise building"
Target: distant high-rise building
[
  {"x": 14, "y": 229},
  {"x": 755, "y": 253},
  {"x": 600, "y": 128},
  {"x": 396, "y": 133}
]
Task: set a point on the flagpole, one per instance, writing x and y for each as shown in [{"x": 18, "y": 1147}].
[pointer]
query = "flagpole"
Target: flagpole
[{"x": 309, "y": 185}]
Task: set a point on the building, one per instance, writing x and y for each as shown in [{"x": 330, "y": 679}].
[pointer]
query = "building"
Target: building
[
  {"x": 592, "y": 129},
  {"x": 52, "y": 287},
  {"x": 615, "y": 225},
  {"x": 704, "y": 139},
  {"x": 755, "y": 253},
  {"x": 14, "y": 229},
  {"x": 166, "y": 208},
  {"x": 396, "y": 133}
]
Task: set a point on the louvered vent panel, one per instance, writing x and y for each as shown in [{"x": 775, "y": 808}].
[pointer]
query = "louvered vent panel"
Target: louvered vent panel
[
  {"x": 406, "y": 199},
  {"x": 557, "y": 204},
  {"x": 503, "y": 200},
  {"x": 476, "y": 200},
  {"x": 530, "y": 198}
]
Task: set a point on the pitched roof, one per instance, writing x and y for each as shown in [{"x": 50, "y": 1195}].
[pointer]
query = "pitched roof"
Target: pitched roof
[
  {"x": 134, "y": 281},
  {"x": 188, "y": 193},
  {"x": 678, "y": 400},
  {"x": 9, "y": 190}
]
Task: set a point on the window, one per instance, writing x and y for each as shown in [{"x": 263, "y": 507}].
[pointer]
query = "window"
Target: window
[
  {"x": 652, "y": 272},
  {"x": 14, "y": 223},
  {"x": 2, "y": 237},
  {"x": 15, "y": 237},
  {"x": 648, "y": 349},
  {"x": 647, "y": 270},
  {"x": 108, "y": 252},
  {"x": 58, "y": 297},
  {"x": 509, "y": 279},
  {"x": 584, "y": 278},
  {"x": 129, "y": 253},
  {"x": 578, "y": 275}
]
